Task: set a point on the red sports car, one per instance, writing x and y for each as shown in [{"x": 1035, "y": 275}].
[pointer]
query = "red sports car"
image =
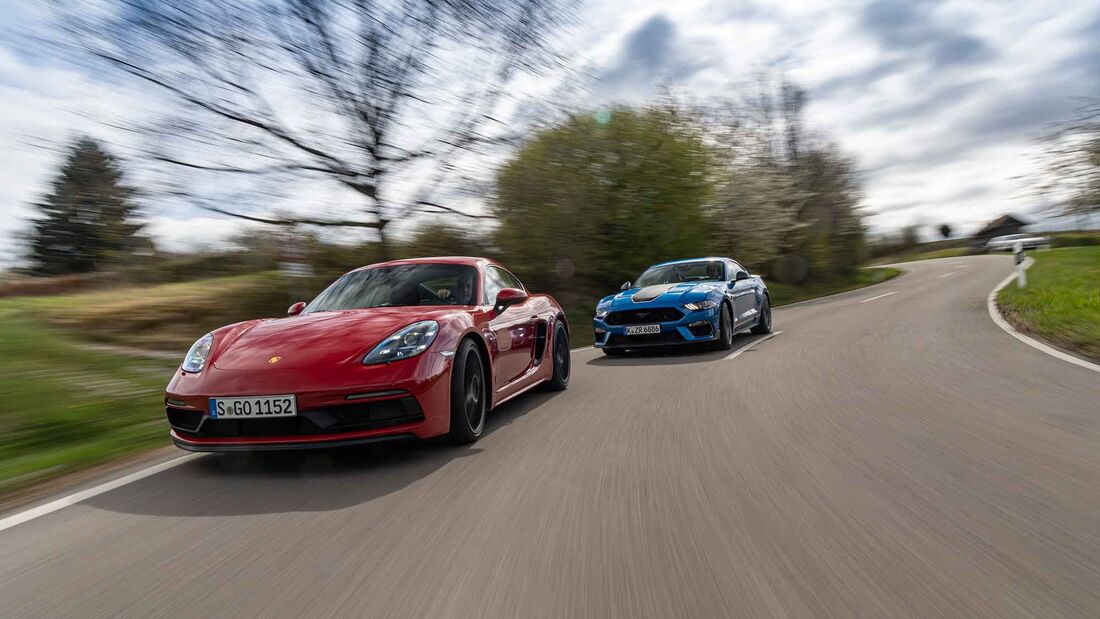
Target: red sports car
[{"x": 408, "y": 348}]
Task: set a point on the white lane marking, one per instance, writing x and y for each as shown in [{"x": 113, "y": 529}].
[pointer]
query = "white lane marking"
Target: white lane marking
[
  {"x": 880, "y": 296},
  {"x": 73, "y": 499},
  {"x": 581, "y": 348},
  {"x": 851, "y": 292},
  {"x": 948, "y": 274},
  {"x": 733, "y": 355},
  {"x": 995, "y": 314}
]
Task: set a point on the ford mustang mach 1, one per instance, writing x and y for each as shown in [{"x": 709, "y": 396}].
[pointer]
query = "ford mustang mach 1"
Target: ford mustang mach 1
[
  {"x": 408, "y": 348},
  {"x": 702, "y": 300}
]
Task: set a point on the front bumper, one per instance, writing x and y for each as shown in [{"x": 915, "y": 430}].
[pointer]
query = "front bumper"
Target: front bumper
[
  {"x": 405, "y": 399},
  {"x": 692, "y": 327}
]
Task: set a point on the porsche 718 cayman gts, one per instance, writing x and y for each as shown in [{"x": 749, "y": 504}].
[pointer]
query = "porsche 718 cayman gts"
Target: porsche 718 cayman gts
[
  {"x": 702, "y": 300},
  {"x": 408, "y": 348}
]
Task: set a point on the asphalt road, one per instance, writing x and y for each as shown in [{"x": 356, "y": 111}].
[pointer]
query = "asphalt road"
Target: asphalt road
[{"x": 884, "y": 456}]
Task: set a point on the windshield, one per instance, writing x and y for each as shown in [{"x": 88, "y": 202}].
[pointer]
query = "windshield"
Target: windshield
[
  {"x": 702, "y": 270},
  {"x": 400, "y": 285}
]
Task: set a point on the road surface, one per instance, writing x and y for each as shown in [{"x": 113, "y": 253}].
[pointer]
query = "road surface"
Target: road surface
[{"x": 891, "y": 453}]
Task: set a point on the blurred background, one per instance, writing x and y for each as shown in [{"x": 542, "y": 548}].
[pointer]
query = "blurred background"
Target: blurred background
[{"x": 168, "y": 167}]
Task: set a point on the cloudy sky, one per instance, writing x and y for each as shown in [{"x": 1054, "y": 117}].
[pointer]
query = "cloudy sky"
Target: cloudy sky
[{"x": 939, "y": 101}]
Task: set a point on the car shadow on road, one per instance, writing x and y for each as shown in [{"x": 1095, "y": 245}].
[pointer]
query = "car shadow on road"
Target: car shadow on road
[
  {"x": 675, "y": 355},
  {"x": 232, "y": 484}
]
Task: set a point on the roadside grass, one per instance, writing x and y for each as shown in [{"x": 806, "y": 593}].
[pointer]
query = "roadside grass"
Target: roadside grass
[
  {"x": 166, "y": 316},
  {"x": 1061, "y": 302},
  {"x": 947, "y": 252},
  {"x": 67, "y": 408}
]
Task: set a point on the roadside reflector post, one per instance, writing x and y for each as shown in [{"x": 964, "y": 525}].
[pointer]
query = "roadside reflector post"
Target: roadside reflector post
[{"x": 1021, "y": 275}]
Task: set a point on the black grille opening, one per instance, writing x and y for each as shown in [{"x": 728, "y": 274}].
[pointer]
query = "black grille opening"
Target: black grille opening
[
  {"x": 701, "y": 330},
  {"x": 183, "y": 419},
  {"x": 648, "y": 339},
  {"x": 644, "y": 316},
  {"x": 342, "y": 418}
]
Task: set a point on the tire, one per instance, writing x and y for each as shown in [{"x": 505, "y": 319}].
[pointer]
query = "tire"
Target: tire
[
  {"x": 559, "y": 353},
  {"x": 614, "y": 352},
  {"x": 468, "y": 395},
  {"x": 764, "y": 324},
  {"x": 725, "y": 329}
]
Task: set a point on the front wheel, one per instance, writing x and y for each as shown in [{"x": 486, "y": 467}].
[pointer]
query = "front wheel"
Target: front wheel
[
  {"x": 725, "y": 329},
  {"x": 764, "y": 323},
  {"x": 560, "y": 379},
  {"x": 468, "y": 395}
]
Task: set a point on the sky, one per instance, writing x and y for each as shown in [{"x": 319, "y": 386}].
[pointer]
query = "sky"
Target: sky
[{"x": 939, "y": 102}]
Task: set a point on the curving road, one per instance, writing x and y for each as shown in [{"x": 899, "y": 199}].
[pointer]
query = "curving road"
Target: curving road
[{"x": 891, "y": 453}]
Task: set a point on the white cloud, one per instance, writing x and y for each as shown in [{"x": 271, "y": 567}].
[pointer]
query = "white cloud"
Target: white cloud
[{"x": 939, "y": 108}]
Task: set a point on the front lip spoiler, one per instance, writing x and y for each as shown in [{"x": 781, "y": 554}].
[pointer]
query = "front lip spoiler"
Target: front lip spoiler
[
  {"x": 289, "y": 446},
  {"x": 659, "y": 344}
]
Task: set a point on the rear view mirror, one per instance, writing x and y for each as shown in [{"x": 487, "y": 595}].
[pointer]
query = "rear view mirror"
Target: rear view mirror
[
  {"x": 625, "y": 286},
  {"x": 296, "y": 309},
  {"x": 741, "y": 275}
]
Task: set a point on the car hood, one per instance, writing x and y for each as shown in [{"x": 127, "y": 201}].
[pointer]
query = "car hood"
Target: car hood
[
  {"x": 662, "y": 295},
  {"x": 316, "y": 339}
]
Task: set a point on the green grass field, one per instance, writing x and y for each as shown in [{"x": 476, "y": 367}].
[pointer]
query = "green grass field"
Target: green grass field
[
  {"x": 67, "y": 408},
  {"x": 1061, "y": 302}
]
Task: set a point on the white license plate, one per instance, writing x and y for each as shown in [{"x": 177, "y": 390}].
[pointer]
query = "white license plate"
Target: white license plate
[
  {"x": 643, "y": 329},
  {"x": 255, "y": 407}
]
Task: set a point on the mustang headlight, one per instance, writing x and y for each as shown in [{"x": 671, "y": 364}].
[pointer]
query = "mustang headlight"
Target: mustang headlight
[
  {"x": 601, "y": 313},
  {"x": 196, "y": 357},
  {"x": 408, "y": 342},
  {"x": 701, "y": 305}
]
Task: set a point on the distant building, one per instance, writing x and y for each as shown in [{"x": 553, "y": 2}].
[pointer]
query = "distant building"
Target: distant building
[{"x": 1005, "y": 224}]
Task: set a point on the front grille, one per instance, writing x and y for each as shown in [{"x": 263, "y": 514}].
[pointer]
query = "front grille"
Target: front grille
[
  {"x": 648, "y": 339},
  {"x": 333, "y": 419},
  {"x": 644, "y": 316}
]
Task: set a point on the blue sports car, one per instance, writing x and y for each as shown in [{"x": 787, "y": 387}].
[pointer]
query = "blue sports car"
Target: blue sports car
[{"x": 704, "y": 300}]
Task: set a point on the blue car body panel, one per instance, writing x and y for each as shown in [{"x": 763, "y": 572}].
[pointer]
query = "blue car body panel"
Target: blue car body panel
[{"x": 664, "y": 305}]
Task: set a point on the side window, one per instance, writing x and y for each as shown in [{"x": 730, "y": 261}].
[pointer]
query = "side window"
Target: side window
[
  {"x": 733, "y": 269},
  {"x": 493, "y": 284},
  {"x": 511, "y": 281}
]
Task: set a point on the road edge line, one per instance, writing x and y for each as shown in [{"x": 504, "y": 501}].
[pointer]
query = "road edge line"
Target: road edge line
[
  {"x": 999, "y": 320},
  {"x": 72, "y": 499},
  {"x": 750, "y": 346}
]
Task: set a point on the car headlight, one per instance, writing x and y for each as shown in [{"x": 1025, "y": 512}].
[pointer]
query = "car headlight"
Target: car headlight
[
  {"x": 601, "y": 313},
  {"x": 408, "y": 342},
  {"x": 701, "y": 305},
  {"x": 196, "y": 356}
]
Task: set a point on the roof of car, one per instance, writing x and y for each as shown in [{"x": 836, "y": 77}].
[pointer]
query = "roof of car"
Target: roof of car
[
  {"x": 661, "y": 264},
  {"x": 460, "y": 260}
]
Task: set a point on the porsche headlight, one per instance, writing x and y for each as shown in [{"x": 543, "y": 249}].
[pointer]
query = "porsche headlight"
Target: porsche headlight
[
  {"x": 408, "y": 342},
  {"x": 196, "y": 357},
  {"x": 701, "y": 305}
]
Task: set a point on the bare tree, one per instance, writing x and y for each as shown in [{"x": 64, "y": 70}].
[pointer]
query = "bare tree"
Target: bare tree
[
  {"x": 1070, "y": 166},
  {"x": 393, "y": 101}
]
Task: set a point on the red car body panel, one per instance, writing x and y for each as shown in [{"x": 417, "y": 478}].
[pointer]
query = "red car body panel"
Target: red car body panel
[{"x": 320, "y": 362}]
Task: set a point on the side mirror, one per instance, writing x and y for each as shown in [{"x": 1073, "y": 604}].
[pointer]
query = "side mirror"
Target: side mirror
[
  {"x": 508, "y": 297},
  {"x": 296, "y": 309},
  {"x": 741, "y": 275},
  {"x": 625, "y": 286}
]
